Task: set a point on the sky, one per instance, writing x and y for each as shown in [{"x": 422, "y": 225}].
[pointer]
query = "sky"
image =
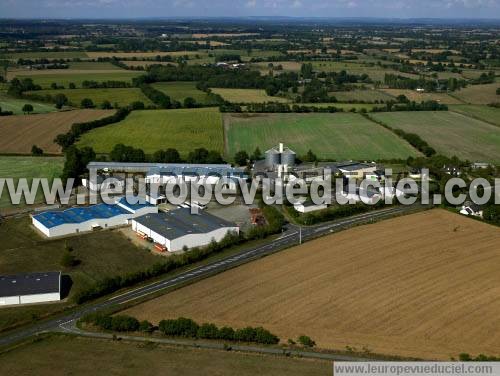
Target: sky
[{"x": 242, "y": 8}]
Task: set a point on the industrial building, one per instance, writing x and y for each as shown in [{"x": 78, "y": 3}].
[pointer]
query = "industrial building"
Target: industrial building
[
  {"x": 203, "y": 174},
  {"x": 88, "y": 218},
  {"x": 30, "y": 288},
  {"x": 172, "y": 231}
]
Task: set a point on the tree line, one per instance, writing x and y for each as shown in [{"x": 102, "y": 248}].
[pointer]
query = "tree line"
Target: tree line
[{"x": 181, "y": 327}]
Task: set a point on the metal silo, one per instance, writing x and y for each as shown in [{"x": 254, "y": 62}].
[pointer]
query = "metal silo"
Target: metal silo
[
  {"x": 272, "y": 158},
  {"x": 288, "y": 157}
]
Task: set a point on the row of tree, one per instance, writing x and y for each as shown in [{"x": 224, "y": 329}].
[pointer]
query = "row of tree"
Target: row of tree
[{"x": 184, "y": 327}]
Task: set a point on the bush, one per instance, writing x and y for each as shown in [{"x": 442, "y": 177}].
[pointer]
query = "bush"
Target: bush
[
  {"x": 182, "y": 327},
  {"x": 36, "y": 151},
  {"x": 208, "y": 331},
  {"x": 306, "y": 341},
  {"x": 68, "y": 260},
  {"x": 146, "y": 327},
  {"x": 124, "y": 323}
]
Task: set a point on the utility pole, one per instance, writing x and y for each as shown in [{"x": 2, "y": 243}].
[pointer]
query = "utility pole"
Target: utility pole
[{"x": 300, "y": 234}]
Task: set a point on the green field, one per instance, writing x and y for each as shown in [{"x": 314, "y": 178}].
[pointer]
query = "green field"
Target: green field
[
  {"x": 28, "y": 167},
  {"x": 93, "y": 65},
  {"x": 181, "y": 90},
  {"x": 101, "y": 254},
  {"x": 361, "y": 95},
  {"x": 485, "y": 113},
  {"x": 64, "y": 78},
  {"x": 374, "y": 72},
  {"x": 345, "y": 106},
  {"x": 184, "y": 129},
  {"x": 247, "y": 96},
  {"x": 337, "y": 136},
  {"x": 16, "y": 105},
  {"x": 450, "y": 133},
  {"x": 86, "y": 356},
  {"x": 122, "y": 96}
]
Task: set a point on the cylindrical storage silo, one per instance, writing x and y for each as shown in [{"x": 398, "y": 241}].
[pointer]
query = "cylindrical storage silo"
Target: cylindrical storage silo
[
  {"x": 272, "y": 158},
  {"x": 288, "y": 157}
]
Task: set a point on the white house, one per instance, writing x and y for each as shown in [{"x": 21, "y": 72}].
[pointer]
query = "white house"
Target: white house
[
  {"x": 30, "y": 288},
  {"x": 308, "y": 207},
  {"x": 172, "y": 231}
]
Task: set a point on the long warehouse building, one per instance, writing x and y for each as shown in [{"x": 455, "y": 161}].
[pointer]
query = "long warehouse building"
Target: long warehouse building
[
  {"x": 30, "y": 288},
  {"x": 176, "y": 229}
]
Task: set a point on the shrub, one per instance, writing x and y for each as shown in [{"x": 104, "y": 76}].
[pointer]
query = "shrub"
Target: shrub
[
  {"x": 306, "y": 341},
  {"x": 208, "y": 331}
]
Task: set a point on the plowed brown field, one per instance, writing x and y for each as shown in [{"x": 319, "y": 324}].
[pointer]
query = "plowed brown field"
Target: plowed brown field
[
  {"x": 19, "y": 133},
  {"x": 425, "y": 285}
]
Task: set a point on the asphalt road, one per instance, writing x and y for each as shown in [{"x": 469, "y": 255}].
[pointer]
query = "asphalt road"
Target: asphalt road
[{"x": 291, "y": 236}]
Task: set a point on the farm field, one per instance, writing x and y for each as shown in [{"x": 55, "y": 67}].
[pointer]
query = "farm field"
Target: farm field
[
  {"x": 76, "y": 76},
  {"x": 391, "y": 287},
  {"x": 101, "y": 254},
  {"x": 361, "y": 95},
  {"x": 19, "y": 133},
  {"x": 15, "y": 105},
  {"x": 105, "y": 357},
  {"x": 288, "y": 66},
  {"x": 93, "y": 65},
  {"x": 479, "y": 94},
  {"x": 345, "y": 106},
  {"x": 152, "y": 130},
  {"x": 375, "y": 73},
  {"x": 247, "y": 96},
  {"x": 413, "y": 95},
  {"x": 484, "y": 113},
  {"x": 95, "y": 55},
  {"x": 331, "y": 136},
  {"x": 122, "y": 96},
  {"x": 28, "y": 167},
  {"x": 182, "y": 89},
  {"x": 145, "y": 63},
  {"x": 44, "y": 54},
  {"x": 449, "y": 133}
]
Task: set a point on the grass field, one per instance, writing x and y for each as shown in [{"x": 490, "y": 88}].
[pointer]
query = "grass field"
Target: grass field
[
  {"x": 375, "y": 73},
  {"x": 76, "y": 76},
  {"x": 450, "y": 133},
  {"x": 345, "y": 106},
  {"x": 105, "y": 357},
  {"x": 122, "y": 96},
  {"x": 410, "y": 286},
  {"x": 19, "y": 133},
  {"x": 101, "y": 254},
  {"x": 247, "y": 96},
  {"x": 419, "y": 97},
  {"x": 28, "y": 167},
  {"x": 93, "y": 65},
  {"x": 180, "y": 90},
  {"x": 154, "y": 130},
  {"x": 479, "y": 94},
  {"x": 361, "y": 95},
  {"x": 16, "y": 105},
  {"x": 485, "y": 113},
  {"x": 331, "y": 136}
]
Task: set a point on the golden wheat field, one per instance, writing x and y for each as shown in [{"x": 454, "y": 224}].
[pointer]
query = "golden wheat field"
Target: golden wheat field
[{"x": 425, "y": 285}]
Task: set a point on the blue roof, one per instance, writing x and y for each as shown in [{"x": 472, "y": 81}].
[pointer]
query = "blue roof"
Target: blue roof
[
  {"x": 78, "y": 215},
  {"x": 133, "y": 207}
]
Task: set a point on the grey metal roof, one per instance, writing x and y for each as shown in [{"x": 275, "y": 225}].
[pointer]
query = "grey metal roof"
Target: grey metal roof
[
  {"x": 196, "y": 170},
  {"x": 29, "y": 283},
  {"x": 353, "y": 166},
  {"x": 180, "y": 222}
]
